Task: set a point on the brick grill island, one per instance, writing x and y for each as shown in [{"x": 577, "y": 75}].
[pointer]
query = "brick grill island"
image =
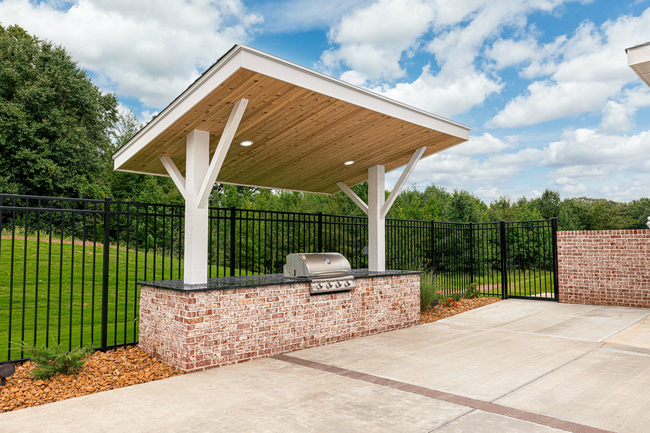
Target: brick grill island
[{"x": 235, "y": 319}]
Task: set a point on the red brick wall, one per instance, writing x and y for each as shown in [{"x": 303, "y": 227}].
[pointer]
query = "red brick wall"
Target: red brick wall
[
  {"x": 609, "y": 267},
  {"x": 200, "y": 330}
]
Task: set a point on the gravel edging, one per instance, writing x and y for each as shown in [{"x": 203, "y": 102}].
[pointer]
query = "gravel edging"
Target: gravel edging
[
  {"x": 102, "y": 372},
  {"x": 438, "y": 312}
]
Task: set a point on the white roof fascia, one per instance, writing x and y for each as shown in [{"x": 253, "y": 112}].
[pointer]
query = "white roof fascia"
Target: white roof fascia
[
  {"x": 257, "y": 61},
  {"x": 638, "y": 58}
]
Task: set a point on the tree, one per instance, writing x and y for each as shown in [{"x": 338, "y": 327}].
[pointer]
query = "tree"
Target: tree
[
  {"x": 54, "y": 123},
  {"x": 464, "y": 207},
  {"x": 548, "y": 204},
  {"x": 639, "y": 212}
]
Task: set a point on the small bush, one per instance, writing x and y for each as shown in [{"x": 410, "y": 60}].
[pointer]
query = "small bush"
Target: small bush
[
  {"x": 56, "y": 359},
  {"x": 449, "y": 302},
  {"x": 472, "y": 291}
]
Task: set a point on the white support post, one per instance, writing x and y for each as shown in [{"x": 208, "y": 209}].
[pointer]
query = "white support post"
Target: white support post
[
  {"x": 355, "y": 198},
  {"x": 196, "y": 218},
  {"x": 200, "y": 175},
  {"x": 376, "y": 223},
  {"x": 377, "y": 208},
  {"x": 402, "y": 180}
]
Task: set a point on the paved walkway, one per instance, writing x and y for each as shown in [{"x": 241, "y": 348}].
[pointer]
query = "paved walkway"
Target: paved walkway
[{"x": 513, "y": 366}]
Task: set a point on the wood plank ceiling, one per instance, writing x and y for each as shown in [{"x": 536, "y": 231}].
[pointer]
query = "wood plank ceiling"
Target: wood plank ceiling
[{"x": 301, "y": 138}]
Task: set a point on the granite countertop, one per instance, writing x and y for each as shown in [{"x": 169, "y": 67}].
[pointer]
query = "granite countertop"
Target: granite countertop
[{"x": 243, "y": 281}]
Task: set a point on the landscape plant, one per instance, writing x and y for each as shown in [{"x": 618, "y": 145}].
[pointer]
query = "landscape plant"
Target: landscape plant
[
  {"x": 472, "y": 291},
  {"x": 56, "y": 359},
  {"x": 449, "y": 302}
]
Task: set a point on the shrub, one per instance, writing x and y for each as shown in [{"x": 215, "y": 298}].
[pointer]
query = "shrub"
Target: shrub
[
  {"x": 449, "y": 302},
  {"x": 56, "y": 359},
  {"x": 472, "y": 291}
]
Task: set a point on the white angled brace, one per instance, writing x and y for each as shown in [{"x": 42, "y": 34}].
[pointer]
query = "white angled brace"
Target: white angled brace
[
  {"x": 402, "y": 180},
  {"x": 174, "y": 173},
  {"x": 222, "y": 149},
  {"x": 355, "y": 198}
]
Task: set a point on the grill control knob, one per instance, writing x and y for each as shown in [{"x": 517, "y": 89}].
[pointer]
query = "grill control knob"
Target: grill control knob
[
  {"x": 338, "y": 284},
  {"x": 347, "y": 283},
  {"x": 329, "y": 285}
]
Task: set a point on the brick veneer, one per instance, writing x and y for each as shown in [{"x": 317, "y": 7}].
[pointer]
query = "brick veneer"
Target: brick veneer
[
  {"x": 200, "y": 330},
  {"x": 609, "y": 267}
]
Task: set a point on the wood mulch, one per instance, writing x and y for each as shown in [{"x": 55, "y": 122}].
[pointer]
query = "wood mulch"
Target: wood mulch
[
  {"x": 103, "y": 371},
  {"x": 439, "y": 312}
]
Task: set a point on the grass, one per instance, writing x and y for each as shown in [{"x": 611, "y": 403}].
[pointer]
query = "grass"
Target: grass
[
  {"x": 520, "y": 282},
  {"x": 66, "y": 281}
]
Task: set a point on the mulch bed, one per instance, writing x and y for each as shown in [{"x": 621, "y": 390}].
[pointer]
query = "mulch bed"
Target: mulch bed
[
  {"x": 439, "y": 312},
  {"x": 102, "y": 372}
]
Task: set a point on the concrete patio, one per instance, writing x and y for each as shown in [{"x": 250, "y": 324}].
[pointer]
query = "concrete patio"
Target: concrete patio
[{"x": 516, "y": 365}]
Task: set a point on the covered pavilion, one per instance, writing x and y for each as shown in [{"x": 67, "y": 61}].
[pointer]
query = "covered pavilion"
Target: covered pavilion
[{"x": 254, "y": 119}]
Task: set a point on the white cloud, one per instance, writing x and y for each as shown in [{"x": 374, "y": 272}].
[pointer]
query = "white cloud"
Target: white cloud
[
  {"x": 488, "y": 195},
  {"x": 619, "y": 116},
  {"x": 371, "y": 40},
  {"x": 483, "y": 144},
  {"x": 586, "y": 70},
  {"x": 443, "y": 94},
  {"x": 139, "y": 48},
  {"x": 574, "y": 189},
  {"x": 584, "y": 162},
  {"x": 548, "y": 100}
]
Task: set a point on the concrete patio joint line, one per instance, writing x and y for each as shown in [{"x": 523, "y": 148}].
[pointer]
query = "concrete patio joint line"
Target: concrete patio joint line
[
  {"x": 452, "y": 398},
  {"x": 549, "y": 372}
]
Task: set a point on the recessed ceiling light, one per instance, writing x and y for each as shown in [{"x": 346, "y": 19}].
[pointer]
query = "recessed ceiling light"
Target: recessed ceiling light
[
  {"x": 246, "y": 143},
  {"x": 348, "y": 162}
]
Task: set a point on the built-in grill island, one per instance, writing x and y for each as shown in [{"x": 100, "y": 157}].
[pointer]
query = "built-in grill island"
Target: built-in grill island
[
  {"x": 317, "y": 299},
  {"x": 326, "y": 272}
]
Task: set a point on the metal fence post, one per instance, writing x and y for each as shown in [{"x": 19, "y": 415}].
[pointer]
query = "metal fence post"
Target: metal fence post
[
  {"x": 431, "y": 250},
  {"x": 504, "y": 261},
  {"x": 105, "y": 270},
  {"x": 320, "y": 232},
  {"x": 232, "y": 241},
  {"x": 471, "y": 254},
  {"x": 556, "y": 280}
]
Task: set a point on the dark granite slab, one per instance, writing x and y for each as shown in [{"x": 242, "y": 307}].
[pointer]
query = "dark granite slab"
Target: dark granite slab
[{"x": 243, "y": 281}]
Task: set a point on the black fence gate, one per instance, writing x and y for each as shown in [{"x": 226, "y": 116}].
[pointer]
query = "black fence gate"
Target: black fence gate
[{"x": 506, "y": 259}]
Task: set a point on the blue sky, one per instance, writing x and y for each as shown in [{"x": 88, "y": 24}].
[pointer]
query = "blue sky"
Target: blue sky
[{"x": 544, "y": 84}]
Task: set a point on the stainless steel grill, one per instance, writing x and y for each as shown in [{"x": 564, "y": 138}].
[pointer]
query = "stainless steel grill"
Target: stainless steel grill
[{"x": 327, "y": 272}]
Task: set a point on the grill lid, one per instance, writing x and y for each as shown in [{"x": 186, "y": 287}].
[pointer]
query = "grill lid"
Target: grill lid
[{"x": 317, "y": 265}]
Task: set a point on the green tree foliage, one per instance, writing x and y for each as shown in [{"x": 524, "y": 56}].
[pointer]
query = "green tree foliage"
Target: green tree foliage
[
  {"x": 54, "y": 123},
  {"x": 464, "y": 207},
  {"x": 132, "y": 186},
  {"x": 639, "y": 211},
  {"x": 548, "y": 204}
]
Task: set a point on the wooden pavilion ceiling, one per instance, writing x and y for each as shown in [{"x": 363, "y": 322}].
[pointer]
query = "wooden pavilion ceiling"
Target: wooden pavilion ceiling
[{"x": 301, "y": 138}]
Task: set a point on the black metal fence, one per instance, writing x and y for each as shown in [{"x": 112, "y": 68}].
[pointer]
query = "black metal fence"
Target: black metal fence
[
  {"x": 69, "y": 267},
  {"x": 506, "y": 259}
]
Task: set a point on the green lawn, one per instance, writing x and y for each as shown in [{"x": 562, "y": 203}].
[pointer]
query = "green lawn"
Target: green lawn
[
  {"x": 52, "y": 278},
  {"x": 520, "y": 282}
]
